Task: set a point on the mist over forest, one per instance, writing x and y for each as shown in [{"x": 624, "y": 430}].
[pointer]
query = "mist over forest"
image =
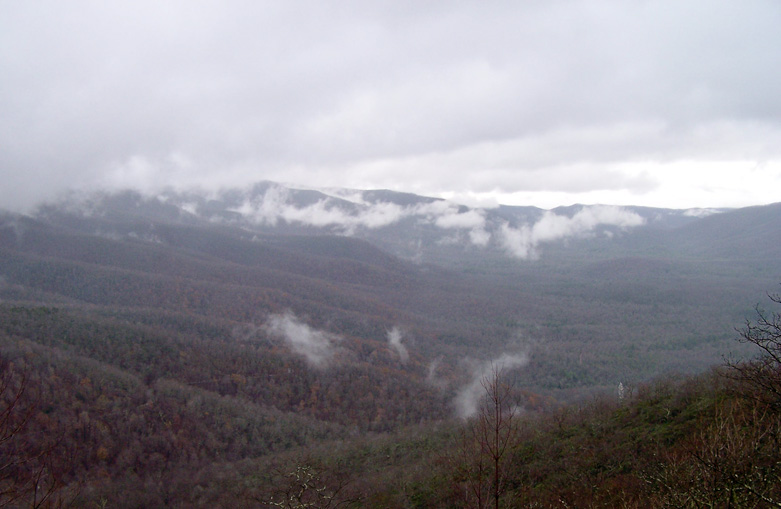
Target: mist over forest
[
  {"x": 187, "y": 348},
  {"x": 390, "y": 254}
]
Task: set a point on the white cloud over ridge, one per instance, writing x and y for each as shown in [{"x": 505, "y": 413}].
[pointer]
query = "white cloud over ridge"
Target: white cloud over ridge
[
  {"x": 523, "y": 242},
  {"x": 276, "y": 204}
]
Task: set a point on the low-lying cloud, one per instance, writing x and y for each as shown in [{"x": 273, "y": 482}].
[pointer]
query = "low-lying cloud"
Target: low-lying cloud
[
  {"x": 394, "y": 340},
  {"x": 274, "y": 206},
  {"x": 316, "y": 346},
  {"x": 467, "y": 400},
  {"x": 351, "y": 213},
  {"x": 432, "y": 374},
  {"x": 523, "y": 242},
  {"x": 447, "y": 215}
]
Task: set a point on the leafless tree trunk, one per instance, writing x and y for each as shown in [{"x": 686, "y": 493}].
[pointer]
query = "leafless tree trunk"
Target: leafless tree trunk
[{"x": 486, "y": 442}]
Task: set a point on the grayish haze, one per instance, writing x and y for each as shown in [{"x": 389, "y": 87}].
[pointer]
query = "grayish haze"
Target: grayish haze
[{"x": 661, "y": 103}]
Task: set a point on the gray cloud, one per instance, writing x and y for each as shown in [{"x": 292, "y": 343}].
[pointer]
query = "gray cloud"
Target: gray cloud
[{"x": 432, "y": 98}]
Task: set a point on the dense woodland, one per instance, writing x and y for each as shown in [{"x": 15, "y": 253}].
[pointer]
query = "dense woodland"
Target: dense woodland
[{"x": 140, "y": 368}]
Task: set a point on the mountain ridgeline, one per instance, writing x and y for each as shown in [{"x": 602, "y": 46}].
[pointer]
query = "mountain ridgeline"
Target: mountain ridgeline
[
  {"x": 593, "y": 295},
  {"x": 159, "y": 335}
]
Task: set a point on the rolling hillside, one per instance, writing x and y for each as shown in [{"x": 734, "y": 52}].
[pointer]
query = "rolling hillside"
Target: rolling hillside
[{"x": 184, "y": 329}]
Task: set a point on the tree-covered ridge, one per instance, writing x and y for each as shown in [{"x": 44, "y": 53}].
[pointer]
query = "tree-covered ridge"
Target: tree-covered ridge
[
  {"x": 202, "y": 364},
  {"x": 693, "y": 442},
  {"x": 586, "y": 319},
  {"x": 358, "y": 390},
  {"x": 78, "y": 430}
]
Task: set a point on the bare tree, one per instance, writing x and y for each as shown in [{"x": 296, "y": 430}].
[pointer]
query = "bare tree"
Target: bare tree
[
  {"x": 763, "y": 373},
  {"x": 486, "y": 441},
  {"x": 308, "y": 486},
  {"x": 731, "y": 463}
]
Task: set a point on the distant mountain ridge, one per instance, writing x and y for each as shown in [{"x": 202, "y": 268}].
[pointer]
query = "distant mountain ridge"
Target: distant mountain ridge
[
  {"x": 174, "y": 332},
  {"x": 588, "y": 293},
  {"x": 418, "y": 228}
]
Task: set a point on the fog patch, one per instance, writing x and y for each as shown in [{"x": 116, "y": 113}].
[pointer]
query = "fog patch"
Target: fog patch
[
  {"x": 316, "y": 346},
  {"x": 467, "y": 399},
  {"x": 479, "y": 237},
  {"x": 432, "y": 374},
  {"x": 468, "y": 219},
  {"x": 450, "y": 240},
  {"x": 394, "y": 340},
  {"x": 275, "y": 206},
  {"x": 351, "y": 195},
  {"x": 190, "y": 208},
  {"x": 447, "y": 215},
  {"x": 699, "y": 213},
  {"x": 13, "y": 225},
  {"x": 523, "y": 242}
]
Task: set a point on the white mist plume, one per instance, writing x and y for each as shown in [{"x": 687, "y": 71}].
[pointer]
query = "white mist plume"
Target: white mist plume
[
  {"x": 479, "y": 237},
  {"x": 448, "y": 215},
  {"x": 274, "y": 206},
  {"x": 523, "y": 242},
  {"x": 468, "y": 398},
  {"x": 701, "y": 212},
  {"x": 315, "y": 345},
  {"x": 394, "y": 340},
  {"x": 432, "y": 378}
]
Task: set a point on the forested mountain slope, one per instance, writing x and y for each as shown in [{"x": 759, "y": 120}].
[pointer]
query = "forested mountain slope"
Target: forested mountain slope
[{"x": 156, "y": 335}]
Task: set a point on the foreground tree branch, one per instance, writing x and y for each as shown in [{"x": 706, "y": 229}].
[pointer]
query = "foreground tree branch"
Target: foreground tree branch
[{"x": 761, "y": 376}]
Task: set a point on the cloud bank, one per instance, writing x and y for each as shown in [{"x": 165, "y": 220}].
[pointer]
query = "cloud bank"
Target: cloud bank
[
  {"x": 523, "y": 242},
  {"x": 277, "y": 204}
]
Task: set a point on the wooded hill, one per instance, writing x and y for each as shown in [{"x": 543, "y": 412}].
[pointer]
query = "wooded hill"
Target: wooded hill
[{"x": 170, "y": 350}]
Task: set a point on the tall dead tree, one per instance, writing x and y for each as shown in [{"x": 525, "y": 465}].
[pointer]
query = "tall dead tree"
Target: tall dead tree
[{"x": 486, "y": 442}]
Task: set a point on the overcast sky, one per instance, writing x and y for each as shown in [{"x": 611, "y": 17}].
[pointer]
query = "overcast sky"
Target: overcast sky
[{"x": 662, "y": 103}]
